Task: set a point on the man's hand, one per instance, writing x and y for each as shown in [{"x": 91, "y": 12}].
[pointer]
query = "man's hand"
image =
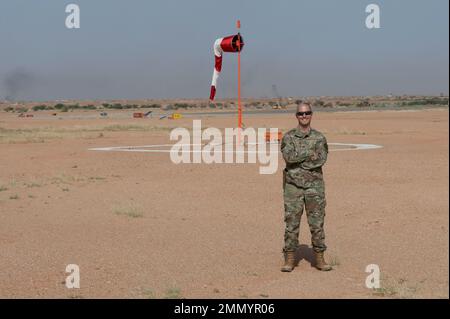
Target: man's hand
[{"x": 313, "y": 156}]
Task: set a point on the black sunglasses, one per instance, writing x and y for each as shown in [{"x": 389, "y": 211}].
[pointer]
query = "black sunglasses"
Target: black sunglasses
[{"x": 303, "y": 113}]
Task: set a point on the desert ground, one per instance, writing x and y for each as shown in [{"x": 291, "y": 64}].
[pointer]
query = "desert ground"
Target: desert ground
[{"x": 139, "y": 226}]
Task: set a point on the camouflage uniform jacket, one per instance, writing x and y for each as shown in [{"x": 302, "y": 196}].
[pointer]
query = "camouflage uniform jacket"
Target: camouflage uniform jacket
[{"x": 304, "y": 154}]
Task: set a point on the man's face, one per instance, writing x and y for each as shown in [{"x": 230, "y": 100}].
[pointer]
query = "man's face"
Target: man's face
[{"x": 304, "y": 115}]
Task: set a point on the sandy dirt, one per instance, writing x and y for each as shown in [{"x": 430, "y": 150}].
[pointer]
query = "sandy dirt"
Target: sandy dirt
[{"x": 140, "y": 226}]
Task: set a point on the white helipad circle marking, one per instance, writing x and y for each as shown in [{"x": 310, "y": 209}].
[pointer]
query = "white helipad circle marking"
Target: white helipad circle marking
[
  {"x": 355, "y": 147},
  {"x": 143, "y": 148}
]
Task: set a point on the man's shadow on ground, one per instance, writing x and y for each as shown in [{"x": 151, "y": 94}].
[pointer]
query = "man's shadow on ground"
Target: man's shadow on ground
[{"x": 304, "y": 252}]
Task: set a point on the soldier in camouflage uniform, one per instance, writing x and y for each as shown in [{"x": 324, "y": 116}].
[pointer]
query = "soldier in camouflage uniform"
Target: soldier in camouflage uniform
[{"x": 305, "y": 152}]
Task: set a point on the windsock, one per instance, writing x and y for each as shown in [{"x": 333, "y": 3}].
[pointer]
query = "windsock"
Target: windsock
[{"x": 232, "y": 43}]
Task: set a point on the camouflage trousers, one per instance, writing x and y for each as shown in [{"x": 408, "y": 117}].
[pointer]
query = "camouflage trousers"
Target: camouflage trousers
[{"x": 313, "y": 200}]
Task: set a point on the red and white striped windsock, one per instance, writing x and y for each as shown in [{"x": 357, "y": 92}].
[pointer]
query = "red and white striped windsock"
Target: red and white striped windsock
[{"x": 232, "y": 43}]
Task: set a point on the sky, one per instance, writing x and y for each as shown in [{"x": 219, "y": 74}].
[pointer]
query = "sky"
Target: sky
[{"x": 144, "y": 49}]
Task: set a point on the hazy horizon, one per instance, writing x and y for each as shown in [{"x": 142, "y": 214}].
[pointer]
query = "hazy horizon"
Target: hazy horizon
[{"x": 163, "y": 49}]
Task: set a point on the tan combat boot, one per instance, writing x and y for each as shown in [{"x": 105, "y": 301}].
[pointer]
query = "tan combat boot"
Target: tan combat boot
[
  {"x": 320, "y": 262},
  {"x": 289, "y": 261}
]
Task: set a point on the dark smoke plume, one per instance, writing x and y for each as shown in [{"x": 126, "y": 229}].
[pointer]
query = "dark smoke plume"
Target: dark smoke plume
[{"x": 16, "y": 83}]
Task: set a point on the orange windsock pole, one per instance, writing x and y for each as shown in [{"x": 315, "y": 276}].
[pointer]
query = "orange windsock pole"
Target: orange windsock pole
[{"x": 238, "y": 25}]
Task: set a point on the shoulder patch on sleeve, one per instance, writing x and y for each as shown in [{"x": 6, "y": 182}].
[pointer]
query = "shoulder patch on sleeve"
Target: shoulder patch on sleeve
[{"x": 319, "y": 134}]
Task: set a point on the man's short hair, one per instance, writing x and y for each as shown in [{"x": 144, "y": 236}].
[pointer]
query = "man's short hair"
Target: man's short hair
[{"x": 304, "y": 103}]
